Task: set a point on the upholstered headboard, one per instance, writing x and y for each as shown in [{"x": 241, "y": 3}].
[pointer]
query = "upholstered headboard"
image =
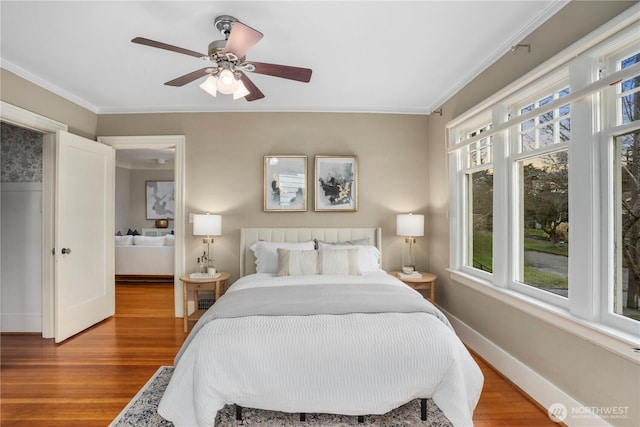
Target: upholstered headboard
[{"x": 250, "y": 235}]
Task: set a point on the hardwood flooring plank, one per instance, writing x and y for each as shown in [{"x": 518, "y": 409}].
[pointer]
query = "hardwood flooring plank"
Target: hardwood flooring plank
[{"x": 87, "y": 380}]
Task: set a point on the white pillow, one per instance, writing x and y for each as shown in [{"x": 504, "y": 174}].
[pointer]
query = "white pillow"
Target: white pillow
[
  {"x": 368, "y": 256},
  {"x": 148, "y": 240},
  {"x": 338, "y": 261},
  {"x": 124, "y": 240},
  {"x": 295, "y": 263},
  {"x": 267, "y": 255},
  {"x": 169, "y": 240}
]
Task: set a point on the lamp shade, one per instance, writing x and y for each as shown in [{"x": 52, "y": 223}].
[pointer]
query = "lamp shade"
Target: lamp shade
[
  {"x": 227, "y": 82},
  {"x": 210, "y": 85},
  {"x": 207, "y": 225},
  {"x": 410, "y": 225}
]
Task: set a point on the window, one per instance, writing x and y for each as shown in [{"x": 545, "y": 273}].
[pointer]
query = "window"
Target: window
[
  {"x": 479, "y": 190},
  {"x": 627, "y": 225},
  {"x": 541, "y": 161},
  {"x": 548, "y": 194},
  {"x": 544, "y": 222}
]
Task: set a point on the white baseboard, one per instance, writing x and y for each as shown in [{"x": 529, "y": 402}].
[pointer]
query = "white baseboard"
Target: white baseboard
[
  {"x": 20, "y": 323},
  {"x": 533, "y": 384}
]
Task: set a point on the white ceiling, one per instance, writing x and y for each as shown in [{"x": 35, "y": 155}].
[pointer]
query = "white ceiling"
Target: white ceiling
[{"x": 366, "y": 56}]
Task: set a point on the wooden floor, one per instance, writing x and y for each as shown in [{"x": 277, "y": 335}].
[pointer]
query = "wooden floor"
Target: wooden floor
[{"x": 87, "y": 380}]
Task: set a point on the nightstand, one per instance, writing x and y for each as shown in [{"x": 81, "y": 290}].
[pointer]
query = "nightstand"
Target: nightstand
[
  {"x": 425, "y": 281},
  {"x": 217, "y": 285}
]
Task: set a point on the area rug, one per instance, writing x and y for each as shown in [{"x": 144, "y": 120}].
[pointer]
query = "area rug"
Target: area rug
[{"x": 142, "y": 412}]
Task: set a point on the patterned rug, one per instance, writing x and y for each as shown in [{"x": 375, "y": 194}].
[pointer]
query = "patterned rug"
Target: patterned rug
[{"x": 142, "y": 412}]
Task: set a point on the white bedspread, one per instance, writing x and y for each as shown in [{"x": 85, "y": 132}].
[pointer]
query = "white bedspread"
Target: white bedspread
[{"x": 352, "y": 364}]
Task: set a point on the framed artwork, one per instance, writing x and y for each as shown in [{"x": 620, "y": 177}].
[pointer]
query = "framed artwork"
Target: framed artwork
[
  {"x": 336, "y": 183},
  {"x": 160, "y": 199},
  {"x": 285, "y": 183}
]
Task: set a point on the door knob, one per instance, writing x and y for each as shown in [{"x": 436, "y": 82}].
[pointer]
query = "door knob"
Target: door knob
[{"x": 66, "y": 251}]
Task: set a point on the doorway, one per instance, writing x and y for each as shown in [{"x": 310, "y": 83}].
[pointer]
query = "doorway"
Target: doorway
[
  {"x": 21, "y": 230},
  {"x": 159, "y": 145},
  {"x": 26, "y": 119},
  {"x": 23, "y": 118}
]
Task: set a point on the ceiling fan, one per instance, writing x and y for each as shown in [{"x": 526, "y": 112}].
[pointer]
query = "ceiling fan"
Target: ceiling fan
[{"x": 228, "y": 62}]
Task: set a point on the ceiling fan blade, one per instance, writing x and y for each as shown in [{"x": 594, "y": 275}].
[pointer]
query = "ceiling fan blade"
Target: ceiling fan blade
[
  {"x": 241, "y": 39},
  {"x": 254, "y": 92},
  {"x": 160, "y": 45},
  {"x": 188, "y": 78},
  {"x": 283, "y": 71}
]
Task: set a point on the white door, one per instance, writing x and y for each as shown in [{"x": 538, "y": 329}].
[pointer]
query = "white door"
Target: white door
[{"x": 84, "y": 248}]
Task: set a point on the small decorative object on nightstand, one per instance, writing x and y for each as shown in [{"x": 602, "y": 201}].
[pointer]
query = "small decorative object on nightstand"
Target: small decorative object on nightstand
[
  {"x": 217, "y": 284},
  {"x": 418, "y": 281}
]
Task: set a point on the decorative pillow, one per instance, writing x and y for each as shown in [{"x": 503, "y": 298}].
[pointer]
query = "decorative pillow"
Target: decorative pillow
[
  {"x": 295, "y": 263},
  {"x": 339, "y": 261},
  {"x": 363, "y": 241},
  {"x": 368, "y": 256},
  {"x": 124, "y": 240},
  {"x": 148, "y": 241},
  {"x": 169, "y": 240},
  {"x": 267, "y": 257},
  {"x": 132, "y": 233}
]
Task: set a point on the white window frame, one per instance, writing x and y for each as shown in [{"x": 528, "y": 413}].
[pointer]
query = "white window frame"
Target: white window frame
[
  {"x": 607, "y": 182},
  {"x": 590, "y": 264}
]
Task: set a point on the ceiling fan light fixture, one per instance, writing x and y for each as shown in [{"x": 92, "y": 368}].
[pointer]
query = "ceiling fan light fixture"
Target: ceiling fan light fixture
[
  {"x": 227, "y": 82},
  {"x": 241, "y": 92},
  {"x": 210, "y": 85}
]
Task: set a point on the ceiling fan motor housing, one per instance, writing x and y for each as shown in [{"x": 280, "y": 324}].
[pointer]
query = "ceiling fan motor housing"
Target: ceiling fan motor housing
[{"x": 216, "y": 47}]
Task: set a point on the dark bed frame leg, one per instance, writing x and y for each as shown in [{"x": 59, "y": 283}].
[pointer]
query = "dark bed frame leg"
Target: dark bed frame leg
[
  {"x": 423, "y": 409},
  {"x": 238, "y": 413},
  {"x": 360, "y": 418},
  {"x": 303, "y": 417}
]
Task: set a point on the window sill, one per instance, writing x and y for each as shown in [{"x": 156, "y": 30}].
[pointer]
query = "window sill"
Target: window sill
[{"x": 624, "y": 345}]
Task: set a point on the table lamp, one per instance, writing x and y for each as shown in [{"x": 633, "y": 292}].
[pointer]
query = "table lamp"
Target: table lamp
[
  {"x": 207, "y": 225},
  {"x": 410, "y": 226}
]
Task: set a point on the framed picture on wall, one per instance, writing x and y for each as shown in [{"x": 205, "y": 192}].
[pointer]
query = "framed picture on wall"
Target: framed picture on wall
[
  {"x": 285, "y": 183},
  {"x": 336, "y": 183},
  {"x": 160, "y": 199}
]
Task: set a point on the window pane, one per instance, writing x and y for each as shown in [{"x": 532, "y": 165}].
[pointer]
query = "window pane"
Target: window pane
[
  {"x": 547, "y": 135},
  {"x": 480, "y": 188},
  {"x": 629, "y": 88},
  {"x": 627, "y": 207},
  {"x": 552, "y": 127},
  {"x": 544, "y": 218},
  {"x": 480, "y": 152}
]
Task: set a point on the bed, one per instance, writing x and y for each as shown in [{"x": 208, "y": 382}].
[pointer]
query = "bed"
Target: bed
[
  {"x": 143, "y": 258},
  {"x": 348, "y": 339}
]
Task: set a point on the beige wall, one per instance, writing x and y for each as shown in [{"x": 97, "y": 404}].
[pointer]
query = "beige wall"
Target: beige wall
[
  {"x": 589, "y": 373},
  {"x": 21, "y": 93},
  {"x": 224, "y": 169}
]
